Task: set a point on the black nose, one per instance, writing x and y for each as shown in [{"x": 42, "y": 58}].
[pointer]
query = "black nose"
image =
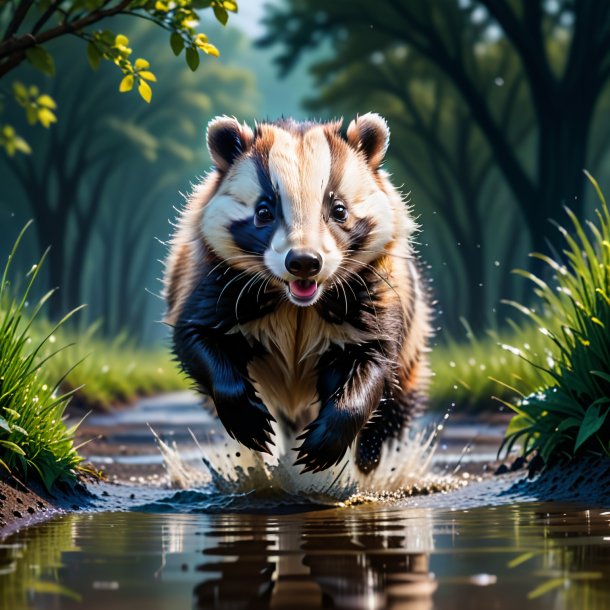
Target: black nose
[{"x": 303, "y": 263}]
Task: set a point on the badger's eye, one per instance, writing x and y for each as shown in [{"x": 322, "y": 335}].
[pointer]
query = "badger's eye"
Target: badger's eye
[
  {"x": 339, "y": 211},
  {"x": 263, "y": 214}
]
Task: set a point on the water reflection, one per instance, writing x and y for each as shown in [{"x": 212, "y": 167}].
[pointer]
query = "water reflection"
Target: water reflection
[
  {"x": 347, "y": 562},
  {"x": 369, "y": 557}
]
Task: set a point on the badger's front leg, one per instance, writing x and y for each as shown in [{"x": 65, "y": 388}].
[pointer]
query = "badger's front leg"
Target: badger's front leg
[
  {"x": 217, "y": 358},
  {"x": 218, "y": 364},
  {"x": 350, "y": 386}
]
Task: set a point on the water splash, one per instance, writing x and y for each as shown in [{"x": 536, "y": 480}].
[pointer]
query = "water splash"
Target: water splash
[{"x": 405, "y": 469}]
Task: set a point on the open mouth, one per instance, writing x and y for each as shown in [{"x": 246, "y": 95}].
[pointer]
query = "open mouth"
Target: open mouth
[{"x": 303, "y": 290}]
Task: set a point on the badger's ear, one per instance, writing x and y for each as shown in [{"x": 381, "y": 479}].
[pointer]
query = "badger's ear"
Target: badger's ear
[
  {"x": 227, "y": 139},
  {"x": 370, "y": 134}
]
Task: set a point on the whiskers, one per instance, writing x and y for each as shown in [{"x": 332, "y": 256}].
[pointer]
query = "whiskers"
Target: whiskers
[
  {"x": 385, "y": 280},
  {"x": 258, "y": 277}
]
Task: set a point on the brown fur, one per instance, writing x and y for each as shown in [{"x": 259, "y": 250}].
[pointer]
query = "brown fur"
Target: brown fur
[{"x": 294, "y": 337}]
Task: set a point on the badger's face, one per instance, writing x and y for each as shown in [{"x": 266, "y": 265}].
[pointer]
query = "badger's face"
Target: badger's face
[{"x": 298, "y": 206}]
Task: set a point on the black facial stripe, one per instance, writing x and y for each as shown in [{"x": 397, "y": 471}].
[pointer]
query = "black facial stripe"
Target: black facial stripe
[
  {"x": 359, "y": 234},
  {"x": 264, "y": 179},
  {"x": 250, "y": 238},
  {"x": 246, "y": 235}
]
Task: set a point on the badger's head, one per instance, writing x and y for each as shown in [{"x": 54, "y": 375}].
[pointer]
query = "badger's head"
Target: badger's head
[{"x": 298, "y": 204}]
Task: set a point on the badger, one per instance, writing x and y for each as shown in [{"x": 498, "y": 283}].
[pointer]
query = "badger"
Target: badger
[{"x": 294, "y": 292}]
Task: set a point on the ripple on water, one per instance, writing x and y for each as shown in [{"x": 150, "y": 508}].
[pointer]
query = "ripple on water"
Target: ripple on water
[{"x": 526, "y": 556}]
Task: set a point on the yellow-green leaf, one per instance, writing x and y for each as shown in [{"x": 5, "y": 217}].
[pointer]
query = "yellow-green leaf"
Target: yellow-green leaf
[
  {"x": 19, "y": 91},
  {"x": 192, "y": 58},
  {"x": 13, "y": 447},
  {"x": 53, "y": 588},
  {"x": 93, "y": 56},
  {"x": 517, "y": 561},
  {"x": 47, "y": 101},
  {"x": 545, "y": 587},
  {"x": 41, "y": 59},
  {"x": 31, "y": 114},
  {"x": 229, "y": 5},
  {"x": 148, "y": 76},
  {"x": 10, "y": 147},
  {"x": 176, "y": 43},
  {"x": 46, "y": 117},
  {"x": 126, "y": 83},
  {"x": 221, "y": 14},
  {"x": 141, "y": 64},
  {"x": 210, "y": 49},
  {"x": 145, "y": 91}
]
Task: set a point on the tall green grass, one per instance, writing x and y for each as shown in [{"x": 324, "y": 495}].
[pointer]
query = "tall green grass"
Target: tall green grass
[
  {"x": 110, "y": 372},
  {"x": 568, "y": 414},
  {"x": 470, "y": 374},
  {"x": 33, "y": 436}
]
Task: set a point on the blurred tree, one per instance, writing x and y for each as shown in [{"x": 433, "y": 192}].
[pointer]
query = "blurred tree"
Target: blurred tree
[
  {"x": 101, "y": 185},
  {"x": 28, "y": 26},
  {"x": 441, "y": 152},
  {"x": 563, "y": 48}
]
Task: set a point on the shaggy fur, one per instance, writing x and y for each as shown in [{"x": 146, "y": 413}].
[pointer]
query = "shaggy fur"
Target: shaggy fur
[{"x": 293, "y": 289}]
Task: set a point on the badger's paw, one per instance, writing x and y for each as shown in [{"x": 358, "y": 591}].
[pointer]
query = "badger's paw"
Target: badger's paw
[
  {"x": 325, "y": 441},
  {"x": 245, "y": 417}
]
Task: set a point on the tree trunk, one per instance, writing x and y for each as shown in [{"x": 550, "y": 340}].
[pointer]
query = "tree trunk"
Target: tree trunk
[{"x": 562, "y": 157}]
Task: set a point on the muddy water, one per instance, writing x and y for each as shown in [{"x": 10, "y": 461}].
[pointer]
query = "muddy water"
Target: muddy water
[
  {"x": 521, "y": 556},
  {"x": 246, "y": 543}
]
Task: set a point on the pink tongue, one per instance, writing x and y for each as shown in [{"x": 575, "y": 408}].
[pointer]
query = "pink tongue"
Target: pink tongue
[{"x": 303, "y": 289}]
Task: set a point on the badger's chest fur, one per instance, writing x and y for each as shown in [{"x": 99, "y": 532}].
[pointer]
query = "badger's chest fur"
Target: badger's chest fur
[
  {"x": 293, "y": 291},
  {"x": 294, "y": 339}
]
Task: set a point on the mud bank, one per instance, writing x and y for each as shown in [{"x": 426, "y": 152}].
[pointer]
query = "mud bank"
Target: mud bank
[{"x": 22, "y": 505}]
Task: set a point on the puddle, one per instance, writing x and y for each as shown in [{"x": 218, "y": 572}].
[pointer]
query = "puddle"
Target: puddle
[
  {"x": 212, "y": 525},
  {"x": 521, "y": 556}
]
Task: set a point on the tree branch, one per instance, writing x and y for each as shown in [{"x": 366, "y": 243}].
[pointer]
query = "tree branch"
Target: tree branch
[
  {"x": 45, "y": 16},
  {"x": 18, "y": 17},
  {"x": 12, "y": 46}
]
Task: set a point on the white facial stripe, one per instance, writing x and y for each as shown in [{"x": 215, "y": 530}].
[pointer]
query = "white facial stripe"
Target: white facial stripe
[
  {"x": 242, "y": 183},
  {"x": 284, "y": 171},
  {"x": 233, "y": 201},
  {"x": 275, "y": 255},
  {"x": 315, "y": 174},
  {"x": 301, "y": 169},
  {"x": 367, "y": 200}
]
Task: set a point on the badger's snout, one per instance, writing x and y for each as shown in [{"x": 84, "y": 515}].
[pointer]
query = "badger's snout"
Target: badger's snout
[{"x": 303, "y": 263}]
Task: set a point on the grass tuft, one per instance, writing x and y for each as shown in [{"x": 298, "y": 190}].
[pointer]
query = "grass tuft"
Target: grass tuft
[
  {"x": 33, "y": 435},
  {"x": 468, "y": 374},
  {"x": 110, "y": 372},
  {"x": 568, "y": 415}
]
